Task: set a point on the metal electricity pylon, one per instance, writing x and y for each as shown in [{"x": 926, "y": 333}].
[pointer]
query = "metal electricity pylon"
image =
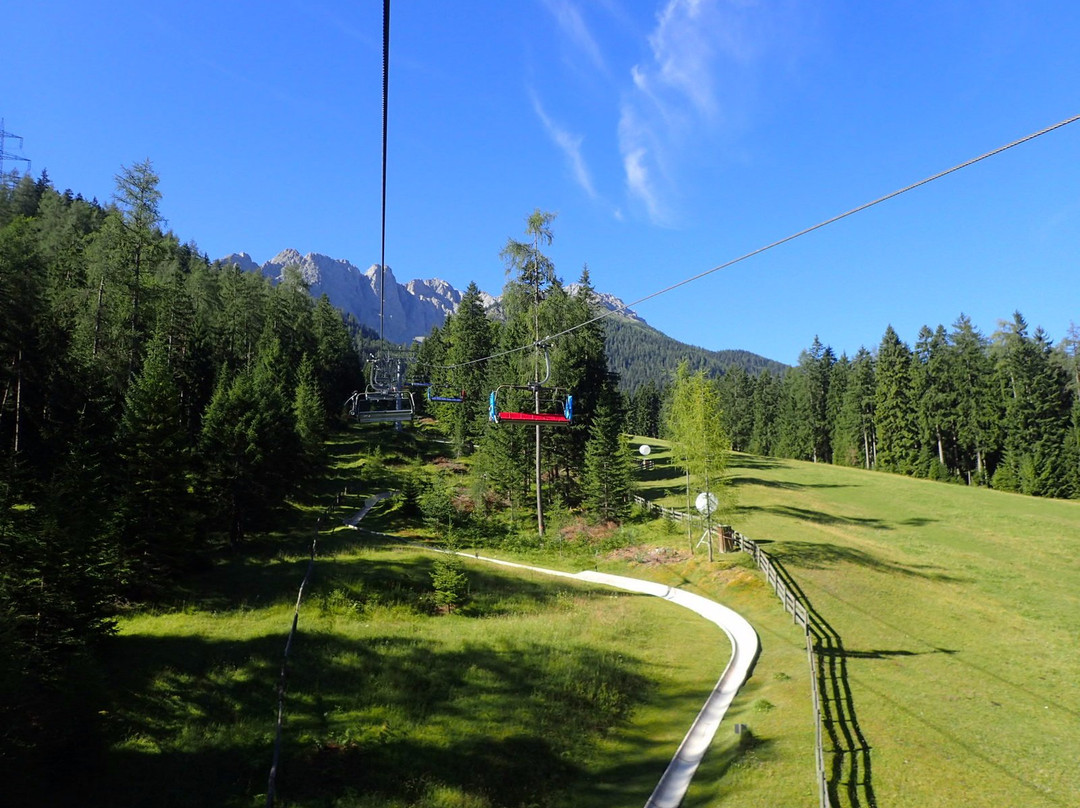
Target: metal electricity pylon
[{"x": 5, "y": 155}]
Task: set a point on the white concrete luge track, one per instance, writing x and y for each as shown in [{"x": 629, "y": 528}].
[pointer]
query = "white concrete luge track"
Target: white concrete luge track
[{"x": 672, "y": 787}]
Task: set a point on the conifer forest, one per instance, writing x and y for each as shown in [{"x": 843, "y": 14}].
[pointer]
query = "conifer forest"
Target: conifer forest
[{"x": 157, "y": 409}]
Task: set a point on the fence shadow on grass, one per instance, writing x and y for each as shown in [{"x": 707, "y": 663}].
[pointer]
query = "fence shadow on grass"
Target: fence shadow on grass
[
  {"x": 849, "y": 771},
  {"x": 844, "y": 770}
]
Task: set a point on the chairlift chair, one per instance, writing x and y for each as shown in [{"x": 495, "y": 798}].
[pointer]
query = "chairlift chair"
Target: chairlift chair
[
  {"x": 445, "y": 399},
  {"x": 381, "y": 407},
  {"x": 550, "y": 398},
  {"x": 552, "y": 405}
]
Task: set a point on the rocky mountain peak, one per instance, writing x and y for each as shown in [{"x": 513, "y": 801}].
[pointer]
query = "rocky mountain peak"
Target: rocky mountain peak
[{"x": 410, "y": 310}]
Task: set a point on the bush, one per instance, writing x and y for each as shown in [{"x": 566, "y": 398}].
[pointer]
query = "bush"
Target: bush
[
  {"x": 1005, "y": 478},
  {"x": 449, "y": 580}
]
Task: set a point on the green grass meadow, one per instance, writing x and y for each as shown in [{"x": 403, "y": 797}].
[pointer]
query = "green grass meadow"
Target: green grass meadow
[{"x": 957, "y": 613}]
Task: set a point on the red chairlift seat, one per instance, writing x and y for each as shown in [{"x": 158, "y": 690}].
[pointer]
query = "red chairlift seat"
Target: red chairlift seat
[{"x": 564, "y": 401}]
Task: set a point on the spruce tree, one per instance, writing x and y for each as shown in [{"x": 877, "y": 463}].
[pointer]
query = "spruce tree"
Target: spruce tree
[
  {"x": 764, "y": 433},
  {"x": 336, "y": 362},
  {"x": 936, "y": 399},
  {"x": 816, "y": 364},
  {"x": 795, "y": 434},
  {"x": 644, "y": 411},
  {"x": 469, "y": 334},
  {"x": 855, "y": 442},
  {"x": 976, "y": 406},
  {"x": 606, "y": 481},
  {"x": 309, "y": 414},
  {"x": 894, "y": 406},
  {"x": 155, "y": 510},
  {"x": 1036, "y": 413},
  {"x": 23, "y": 312},
  {"x": 737, "y": 392}
]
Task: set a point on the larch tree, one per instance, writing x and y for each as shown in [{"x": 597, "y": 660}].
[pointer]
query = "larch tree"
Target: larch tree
[
  {"x": 695, "y": 426},
  {"x": 138, "y": 198},
  {"x": 535, "y": 271}
]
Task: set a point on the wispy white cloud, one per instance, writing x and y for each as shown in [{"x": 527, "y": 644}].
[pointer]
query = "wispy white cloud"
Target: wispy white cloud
[
  {"x": 573, "y": 25},
  {"x": 683, "y": 47},
  {"x": 638, "y": 159},
  {"x": 681, "y": 96},
  {"x": 569, "y": 144}
]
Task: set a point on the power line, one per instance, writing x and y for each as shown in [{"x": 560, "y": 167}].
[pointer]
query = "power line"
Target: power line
[
  {"x": 778, "y": 242},
  {"x": 822, "y": 224}
]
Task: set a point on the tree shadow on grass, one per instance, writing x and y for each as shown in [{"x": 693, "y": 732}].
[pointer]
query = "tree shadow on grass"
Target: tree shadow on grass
[
  {"x": 744, "y": 461},
  {"x": 879, "y": 653},
  {"x": 193, "y": 719},
  {"x": 823, "y": 518},
  {"x": 813, "y": 555},
  {"x": 817, "y": 517},
  {"x": 785, "y": 485},
  {"x": 634, "y": 778}
]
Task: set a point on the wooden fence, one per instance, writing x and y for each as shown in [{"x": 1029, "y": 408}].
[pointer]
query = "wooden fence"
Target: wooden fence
[
  {"x": 668, "y": 513},
  {"x": 794, "y": 603},
  {"x": 800, "y": 612}
]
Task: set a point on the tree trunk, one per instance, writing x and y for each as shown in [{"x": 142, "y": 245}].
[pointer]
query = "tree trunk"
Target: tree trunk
[
  {"x": 97, "y": 314},
  {"x": 708, "y": 513},
  {"x": 689, "y": 516},
  {"x": 3, "y": 404},
  {"x": 133, "y": 362},
  {"x": 18, "y": 401},
  {"x": 539, "y": 490}
]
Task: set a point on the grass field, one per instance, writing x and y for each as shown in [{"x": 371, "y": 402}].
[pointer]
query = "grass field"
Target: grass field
[
  {"x": 959, "y": 614},
  {"x": 538, "y": 693},
  {"x": 956, "y": 611}
]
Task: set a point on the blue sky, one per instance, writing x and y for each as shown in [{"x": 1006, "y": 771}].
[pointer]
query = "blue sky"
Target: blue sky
[{"x": 670, "y": 136}]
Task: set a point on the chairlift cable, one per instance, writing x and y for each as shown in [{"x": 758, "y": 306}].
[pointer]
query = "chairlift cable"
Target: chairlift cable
[
  {"x": 385, "y": 103},
  {"x": 727, "y": 264}
]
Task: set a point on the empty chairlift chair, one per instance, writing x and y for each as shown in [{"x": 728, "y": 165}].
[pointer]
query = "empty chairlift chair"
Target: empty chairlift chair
[
  {"x": 556, "y": 406},
  {"x": 445, "y": 398}
]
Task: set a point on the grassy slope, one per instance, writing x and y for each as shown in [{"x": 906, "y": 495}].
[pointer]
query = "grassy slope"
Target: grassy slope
[
  {"x": 959, "y": 611},
  {"x": 547, "y": 686}
]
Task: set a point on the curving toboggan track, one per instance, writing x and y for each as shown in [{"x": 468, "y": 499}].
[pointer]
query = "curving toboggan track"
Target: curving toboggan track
[{"x": 671, "y": 789}]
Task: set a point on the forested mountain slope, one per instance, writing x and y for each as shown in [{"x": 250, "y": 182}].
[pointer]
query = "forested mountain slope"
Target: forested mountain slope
[{"x": 640, "y": 354}]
